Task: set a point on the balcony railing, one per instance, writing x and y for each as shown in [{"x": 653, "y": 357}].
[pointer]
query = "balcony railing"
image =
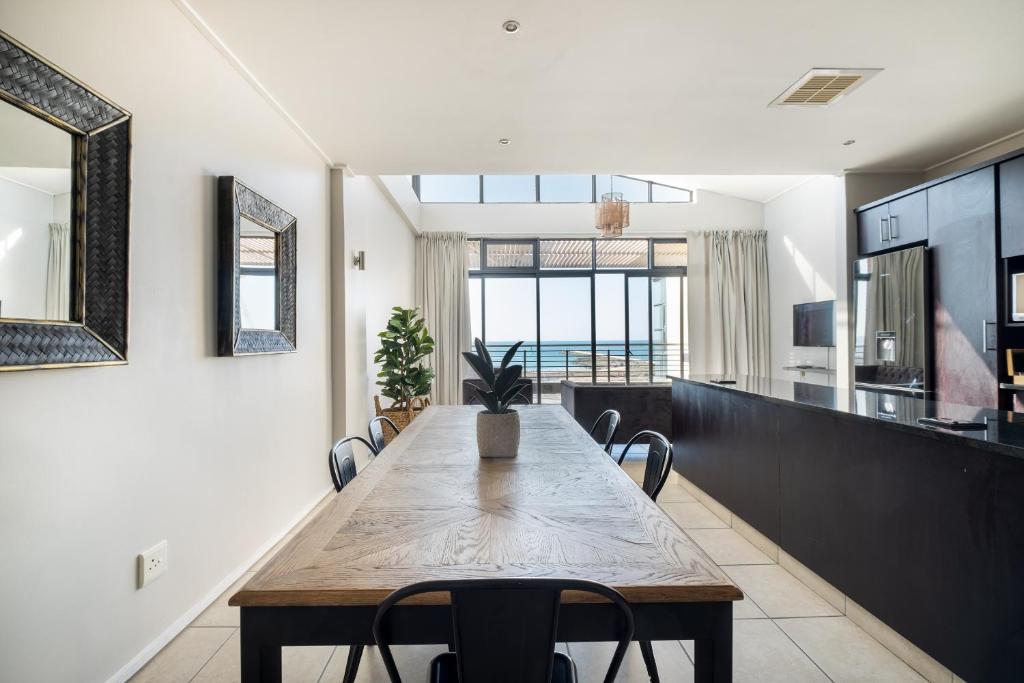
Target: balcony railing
[{"x": 604, "y": 362}]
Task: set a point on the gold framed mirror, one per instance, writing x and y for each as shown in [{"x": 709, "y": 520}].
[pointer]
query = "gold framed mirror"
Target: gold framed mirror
[{"x": 64, "y": 218}]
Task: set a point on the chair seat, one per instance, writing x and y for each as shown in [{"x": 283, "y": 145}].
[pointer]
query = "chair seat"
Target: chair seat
[{"x": 444, "y": 669}]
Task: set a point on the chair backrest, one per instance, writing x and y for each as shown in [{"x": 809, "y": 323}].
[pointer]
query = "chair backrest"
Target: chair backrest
[
  {"x": 504, "y": 629},
  {"x": 376, "y": 430},
  {"x": 522, "y": 397},
  {"x": 659, "y": 460},
  {"x": 605, "y": 428},
  {"x": 342, "y": 461}
]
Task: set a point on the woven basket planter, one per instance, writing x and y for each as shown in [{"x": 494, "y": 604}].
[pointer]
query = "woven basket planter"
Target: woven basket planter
[{"x": 400, "y": 417}]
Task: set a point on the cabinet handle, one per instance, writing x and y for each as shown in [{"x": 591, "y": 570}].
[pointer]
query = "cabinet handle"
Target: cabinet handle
[
  {"x": 894, "y": 232},
  {"x": 883, "y": 227}
]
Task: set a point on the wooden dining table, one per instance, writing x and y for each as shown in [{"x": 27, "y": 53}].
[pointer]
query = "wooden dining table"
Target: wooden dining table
[{"x": 429, "y": 508}]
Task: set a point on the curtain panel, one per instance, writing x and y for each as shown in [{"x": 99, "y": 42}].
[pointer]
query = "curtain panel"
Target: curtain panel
[
  {"x": 58, "y": 272},
  {"x": 727, "y": 281},
  {"x": 442, "y": 295}
]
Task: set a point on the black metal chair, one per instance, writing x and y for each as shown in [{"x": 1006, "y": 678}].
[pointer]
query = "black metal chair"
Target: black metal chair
[
  {"x": 376, "y": 430},
  {"x": 611, "y": 419},
  {"x": 504, "y": 630},
  {"x": 520, "y": 398},
  {"x": 659, "y": 464},
  {"x": 342, "y": 461},
  {"x": 659, "y": 461}
]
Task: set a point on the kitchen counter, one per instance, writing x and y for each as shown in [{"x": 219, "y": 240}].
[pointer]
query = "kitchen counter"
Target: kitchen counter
[
  {"x": 922, "y": 527},
  {"x": 1004, "y": 432}
]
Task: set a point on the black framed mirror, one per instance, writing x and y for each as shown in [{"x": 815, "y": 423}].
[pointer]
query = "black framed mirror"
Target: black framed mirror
[
  {"x": 256, "y": 270},
  {"x": 64, "y": 214}
]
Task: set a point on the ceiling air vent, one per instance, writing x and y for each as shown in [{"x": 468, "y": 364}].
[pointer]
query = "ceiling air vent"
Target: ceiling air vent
[{"x": 822, "y": 87}]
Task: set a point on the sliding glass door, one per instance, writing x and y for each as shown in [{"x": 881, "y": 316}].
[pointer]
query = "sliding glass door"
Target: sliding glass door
[{"x": 583, "y": 313}]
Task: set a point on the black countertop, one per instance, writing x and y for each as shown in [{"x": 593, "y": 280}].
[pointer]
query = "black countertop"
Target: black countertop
[{"x": 1005, "y": 431}]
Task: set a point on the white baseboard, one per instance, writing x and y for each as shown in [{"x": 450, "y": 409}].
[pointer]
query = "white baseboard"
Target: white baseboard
[{"x": 179, "y": 624}]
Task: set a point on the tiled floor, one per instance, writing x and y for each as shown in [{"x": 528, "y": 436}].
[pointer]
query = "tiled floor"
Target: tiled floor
[{"x": 783, "y": 631}]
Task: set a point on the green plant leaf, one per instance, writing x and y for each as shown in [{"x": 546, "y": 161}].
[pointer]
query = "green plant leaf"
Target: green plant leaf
[
  {"x": 510, "y": 354},
  {"x": 484, "y": 370},
  {"x": 481, "y": 350}
]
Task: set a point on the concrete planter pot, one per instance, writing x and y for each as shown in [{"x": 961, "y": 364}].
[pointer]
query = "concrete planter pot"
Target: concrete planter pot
[{"x": 497, "y": 434}]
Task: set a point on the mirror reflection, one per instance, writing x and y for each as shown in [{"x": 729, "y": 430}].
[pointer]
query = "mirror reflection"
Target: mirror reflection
[
  {"x": 35, "y": 217},
  {"x": 257, "y": 276}
]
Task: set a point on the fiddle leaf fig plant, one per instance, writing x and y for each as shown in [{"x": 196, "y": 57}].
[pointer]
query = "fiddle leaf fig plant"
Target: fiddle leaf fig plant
[
  {"x": 403, "y": 346},
  {"x": 501, "y": 383}
]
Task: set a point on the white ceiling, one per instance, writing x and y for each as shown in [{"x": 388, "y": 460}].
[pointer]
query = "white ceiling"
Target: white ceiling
[
  {"x": 48, "y": 180},
  {"x": 664, "y": 86}
]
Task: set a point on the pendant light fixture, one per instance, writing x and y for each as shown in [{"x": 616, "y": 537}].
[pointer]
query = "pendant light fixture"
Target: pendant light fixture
[{"x": 612, "y": 212}]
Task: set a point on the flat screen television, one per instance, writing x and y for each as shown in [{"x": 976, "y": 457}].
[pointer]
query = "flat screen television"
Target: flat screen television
[{"x": 814, "y": 324}]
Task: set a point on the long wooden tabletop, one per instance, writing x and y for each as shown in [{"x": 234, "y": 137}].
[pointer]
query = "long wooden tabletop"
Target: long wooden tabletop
[{"x": 428, "y": 507}]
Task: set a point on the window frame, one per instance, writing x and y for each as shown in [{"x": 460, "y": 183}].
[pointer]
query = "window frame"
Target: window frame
[
  {"x": 537, "y": 273},
  {"x": 594, "y": 197}
]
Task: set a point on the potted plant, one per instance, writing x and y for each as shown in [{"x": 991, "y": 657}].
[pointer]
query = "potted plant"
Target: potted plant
[
  {"x": 497, "y": 426},
  {"x": 402, "y": 378}
]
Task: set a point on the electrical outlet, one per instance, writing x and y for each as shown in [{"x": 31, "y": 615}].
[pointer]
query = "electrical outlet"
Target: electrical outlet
[{"x": 152, "y": 564}]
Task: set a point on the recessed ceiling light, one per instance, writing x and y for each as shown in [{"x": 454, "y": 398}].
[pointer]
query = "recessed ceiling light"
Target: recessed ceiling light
[
  {"x": 503, "y": 141},
  {"x": 847, "y": 143},
  {"x": 511, "y": 26}
]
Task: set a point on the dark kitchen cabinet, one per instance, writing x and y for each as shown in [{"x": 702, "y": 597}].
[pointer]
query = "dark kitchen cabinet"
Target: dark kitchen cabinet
[
  {"x": 908, "y": 219},
  {"x": 894, "y": 224},
  {"x": 1011, "y": 206},
  {"x": 962, "y": 241},
  {"x": 871, "y": 229}
]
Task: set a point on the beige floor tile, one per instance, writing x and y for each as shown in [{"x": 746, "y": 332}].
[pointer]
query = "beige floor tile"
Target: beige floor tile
[
  {"x": 592, "y": 660},
  {"x": 693, "y": 516},
  {"x": 726, "y": 546},
  {"x": 759, "y": 540},
  {"x": 917, "y": 658},
  {"x": 747, "y": 609},
  {"x": 845, "y": 652},
  {"x": 412, "y": 661},
  {"x": 273, "y": 551},
  {"x": 675, "y": 493},
  {"x": 817, "y": 584},
  {"x": 717, "y": 509},
  {"x": 220, "y": 613},
  {"x": 762, "y": 653},
  {"x": 298, "y": 664},
  {"x": 777, "y": 592},
  {"x": 184, "y": 656}
]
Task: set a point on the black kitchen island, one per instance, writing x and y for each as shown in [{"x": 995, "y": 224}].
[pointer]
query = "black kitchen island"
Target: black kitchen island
[{"x": 922, "y": 527}]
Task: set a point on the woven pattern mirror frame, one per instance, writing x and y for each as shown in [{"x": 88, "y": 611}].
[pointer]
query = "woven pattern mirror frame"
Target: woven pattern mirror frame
[
  {"x": 236, "y": 200},
  {"x": 97, "y": 333}
]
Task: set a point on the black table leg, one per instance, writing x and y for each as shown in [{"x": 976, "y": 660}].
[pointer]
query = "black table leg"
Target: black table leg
[
  {"x": 261, "y": 663},
  {"x": 713, "y": 660},
  {"x": 355, "y": 653}
]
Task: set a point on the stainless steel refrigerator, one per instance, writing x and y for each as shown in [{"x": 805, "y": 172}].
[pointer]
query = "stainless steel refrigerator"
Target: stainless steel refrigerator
[{"x": 892, "y": 322}]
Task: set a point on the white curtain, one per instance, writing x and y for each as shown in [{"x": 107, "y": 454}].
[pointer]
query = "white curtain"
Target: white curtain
[
  {"x": 58, "y": 273},
  {"x": 442, "y": 295},
  {"x": 727, "y": 283}
]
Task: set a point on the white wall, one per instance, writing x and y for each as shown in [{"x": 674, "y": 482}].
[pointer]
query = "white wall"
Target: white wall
[
  {"x": 710, "y": 211},
  {"x": 374, "y": 225},
  {"x": 802, "y": 241},
  {"x": 25, "y": 216},
  {"x": 217, "y": 455}
]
